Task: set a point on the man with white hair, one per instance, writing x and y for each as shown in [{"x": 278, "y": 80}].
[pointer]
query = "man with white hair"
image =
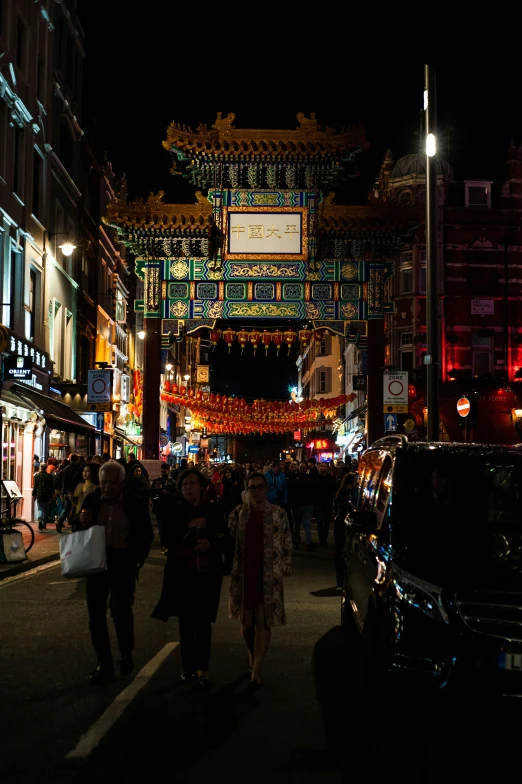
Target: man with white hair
[{"x": 128, "y": 536}]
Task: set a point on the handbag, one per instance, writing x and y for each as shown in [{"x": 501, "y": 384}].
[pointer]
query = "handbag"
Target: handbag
[
  {"x": 83, "y": 552},
  {"x": 12, "y": 548}
]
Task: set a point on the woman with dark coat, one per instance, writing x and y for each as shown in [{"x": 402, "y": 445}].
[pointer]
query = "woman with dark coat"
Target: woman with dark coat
[{"x": 196, "y": 538}]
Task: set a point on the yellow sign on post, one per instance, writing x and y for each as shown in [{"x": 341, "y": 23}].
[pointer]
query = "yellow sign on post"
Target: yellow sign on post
[{"x": 395, "y": 409}]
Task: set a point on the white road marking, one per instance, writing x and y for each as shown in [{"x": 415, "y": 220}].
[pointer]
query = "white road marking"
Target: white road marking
[
  {"x": 16, "y": 578},
  {"x": 95, "y": 734}
]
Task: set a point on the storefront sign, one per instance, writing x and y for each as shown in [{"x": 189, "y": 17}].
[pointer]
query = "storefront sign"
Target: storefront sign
[
  {"x": 202, "y": 374},
  {"x": 359, "y": 383},
  {"x": 99, "y": 385},
  {"x": 17, "y": 368},
  {"x": 22, "y": 348},
  {"x": 482, "y": 307}
]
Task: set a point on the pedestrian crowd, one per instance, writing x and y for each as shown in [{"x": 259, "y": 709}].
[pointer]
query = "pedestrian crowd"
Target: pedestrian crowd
[{"x": 241, "y": 520}]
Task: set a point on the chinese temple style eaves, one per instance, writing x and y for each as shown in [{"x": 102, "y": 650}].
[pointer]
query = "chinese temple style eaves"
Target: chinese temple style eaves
[{"x": 262, "y": 241}]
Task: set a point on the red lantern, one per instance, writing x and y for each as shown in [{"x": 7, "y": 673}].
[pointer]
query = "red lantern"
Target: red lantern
[
  {"x": 229, "y": 336},
  {"x": 305, "y": 336},
  {"x": 255, "y": 338},
  {"x": 191, "y": 392},
  {"x": 183, "y": 391},
  {"x": 166, "y": 386},
  {"x": 242, "y": 338},
  {"x": 278, "y": 338},
  {"x": 266, "y": 339},
  {"x": 215, "y": 335},
  {"x": 175, "y": 389},
  {"x": 290, "y": 338}
]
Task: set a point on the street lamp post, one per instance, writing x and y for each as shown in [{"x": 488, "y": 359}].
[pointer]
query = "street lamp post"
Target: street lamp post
[{"x": 432, "y": 358}]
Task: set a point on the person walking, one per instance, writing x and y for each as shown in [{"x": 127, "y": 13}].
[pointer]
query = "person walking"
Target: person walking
[
  {"x": 324, "y": 506},
  {"x": 65, "y": 482},
  {"x": 43, "y": 491},
  {"x": 301, "y": 502},
  {"x": 36, "y": 464},
  {"x": 261, "y": 558},
  {"x": 230, "y": 492},
  {"x": 137, "y": 481},
  {"x": 128, "y": 536},
  {"x": 342, "y": 505},
  {"x": 276, "y": 483},
  {"x": 196, "y": 539},
  {"x": 162, "y": 488},
  {"x": 88, "y": 485}
]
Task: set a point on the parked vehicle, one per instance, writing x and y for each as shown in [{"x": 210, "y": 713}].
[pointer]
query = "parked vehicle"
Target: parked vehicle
[{"x": 433, "y": 562}]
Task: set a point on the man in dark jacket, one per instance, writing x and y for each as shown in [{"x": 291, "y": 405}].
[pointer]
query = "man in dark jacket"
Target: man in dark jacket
[
  {"x": 128, "y": 536},
  {"x": 324, "y": 505},
  {"x": 43, "y": 490},
  {"x": 301, "y": 503},
  {"x": 65, "y": 483}
]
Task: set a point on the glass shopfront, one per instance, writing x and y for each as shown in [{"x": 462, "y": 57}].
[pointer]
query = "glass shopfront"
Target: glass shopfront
[{"x": 62, "y": 444}]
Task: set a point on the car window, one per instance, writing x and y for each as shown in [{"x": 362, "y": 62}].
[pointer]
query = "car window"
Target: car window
[
  {"x": 382, "y": 495},
  {"x": 369, "y": 471}
]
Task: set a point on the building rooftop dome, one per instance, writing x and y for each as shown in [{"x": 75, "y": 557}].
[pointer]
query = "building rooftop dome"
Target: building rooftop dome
[{"x": 415, "y": 165}]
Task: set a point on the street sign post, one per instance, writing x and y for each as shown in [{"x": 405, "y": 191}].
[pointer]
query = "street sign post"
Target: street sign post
[
  {"x": 99, "y": 390},
  {"x": 463, "y": 406},
  {"x": 395, "y": 392},
  {"x": 390, "y": 423}
]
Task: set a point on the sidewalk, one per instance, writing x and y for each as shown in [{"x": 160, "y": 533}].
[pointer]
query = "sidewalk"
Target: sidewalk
[{"x": 46, "y": 548}]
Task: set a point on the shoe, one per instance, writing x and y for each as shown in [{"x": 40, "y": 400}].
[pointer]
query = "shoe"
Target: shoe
[
  {"x": 59, "y": 527},
  {"x": 126, "y": 664},
  {"x": 40, "y": 525},
  {"x": 101, "y": 676},
  {"x": 311, "y": 546},
  {"x": 255, "y": 685},
  {"x": 187, "y": 677},
  {"x": 203, "y": 682}
]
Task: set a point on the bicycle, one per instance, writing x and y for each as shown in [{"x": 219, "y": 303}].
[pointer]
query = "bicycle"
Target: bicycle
[{"x": 13, "y": 524}]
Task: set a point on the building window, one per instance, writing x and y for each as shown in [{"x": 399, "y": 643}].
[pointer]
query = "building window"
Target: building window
[
  {"x": 37, "y": 183},
  {"x": 20, "y": 44},
  {"x": 32, "y": 305},
  {"x": 478, "y": 193},
  {"x": 18, "y": 162},
  {"x": 406, "y": 338},
  {"x": 422, "y": 279},
  {"x": 481, "y": 363},
  {"x": 68, "y": 346},
  {"x": 406, "y": 280},
  {"x": 322, "y": 381},
  {"x": 406, "y": 358},
  {"x": 121, "y": 315},
  {"x": 322, "y": 347}
]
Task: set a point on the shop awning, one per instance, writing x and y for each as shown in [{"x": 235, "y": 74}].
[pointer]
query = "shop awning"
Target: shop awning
[
  {"x": 358, "y": 412},
  {"x": 57, "y": 415}
]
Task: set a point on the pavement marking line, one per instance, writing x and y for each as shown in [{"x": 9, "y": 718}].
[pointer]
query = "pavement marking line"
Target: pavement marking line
[
  {"x": 94, "y": 735},
  {"x": 5, "y": 581}
]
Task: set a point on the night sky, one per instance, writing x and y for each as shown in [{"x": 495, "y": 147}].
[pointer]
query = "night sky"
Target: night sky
[{"x": 146, "y": 66}]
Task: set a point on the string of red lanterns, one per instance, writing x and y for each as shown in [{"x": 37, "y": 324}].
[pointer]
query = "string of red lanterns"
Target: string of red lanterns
[
  {"x": 222, "y": 414},
  {"x": 265, "y": 338}
]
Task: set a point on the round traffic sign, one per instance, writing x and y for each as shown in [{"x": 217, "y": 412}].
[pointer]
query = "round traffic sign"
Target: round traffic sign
[
  {"x": 395, "y": 388},
  {"x": 177, "y": 447},
  {"x": 463, "y": 406},
  {"x": 409, "y": 424},
  {"x": 99, "y": 386}
]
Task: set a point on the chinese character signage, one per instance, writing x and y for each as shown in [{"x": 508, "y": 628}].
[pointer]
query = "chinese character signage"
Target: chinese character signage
[
  {"x": 17, "y": 368},
  {"x": 266, "y": 233}
]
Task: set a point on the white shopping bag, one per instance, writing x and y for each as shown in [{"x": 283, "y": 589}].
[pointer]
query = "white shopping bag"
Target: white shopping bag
[
  {"x": 13, "y": 547},
  {"x": 83, "y": 552}
]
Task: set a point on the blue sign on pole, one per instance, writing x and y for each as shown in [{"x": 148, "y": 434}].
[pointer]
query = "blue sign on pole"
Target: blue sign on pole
[{"x": 390, "y": 423}]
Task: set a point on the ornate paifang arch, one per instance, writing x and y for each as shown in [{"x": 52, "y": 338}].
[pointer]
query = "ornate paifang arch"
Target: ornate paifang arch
[{"x": 265, "y": 245}]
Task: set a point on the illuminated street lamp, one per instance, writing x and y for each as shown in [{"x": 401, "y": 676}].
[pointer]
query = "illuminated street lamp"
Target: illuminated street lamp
[
  {"x": 168, "y": 367},
  {"x": 186, "y": 376},
  {"x": 67, "y": 248},
  {"x": 141, "y": 334}
]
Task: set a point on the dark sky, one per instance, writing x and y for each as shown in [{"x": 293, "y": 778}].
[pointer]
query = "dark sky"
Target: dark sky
[{"x": 149, "y": 64}]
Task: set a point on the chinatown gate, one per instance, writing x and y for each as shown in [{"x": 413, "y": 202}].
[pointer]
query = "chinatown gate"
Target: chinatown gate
[{"x": 261, "y": 243}]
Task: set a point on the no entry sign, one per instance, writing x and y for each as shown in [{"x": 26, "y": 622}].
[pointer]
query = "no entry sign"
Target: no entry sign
[
  {"x": 463, "y": 406},
  {"x": 395, "y": 392}
]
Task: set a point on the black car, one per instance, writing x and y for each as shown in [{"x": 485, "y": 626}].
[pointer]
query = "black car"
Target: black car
[{"x": 433, "y": 562}]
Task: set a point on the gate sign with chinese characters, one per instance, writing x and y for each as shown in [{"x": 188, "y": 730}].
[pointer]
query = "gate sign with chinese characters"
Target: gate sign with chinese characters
[
  {"x": 395, "y": 393},
  {"x": 99, "y": 386},
  {"x": 262, "y": 232}
]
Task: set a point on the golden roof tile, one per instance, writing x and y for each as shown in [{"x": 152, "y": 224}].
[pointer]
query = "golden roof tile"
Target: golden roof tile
[
  {"x": 153, "y": 214},
  {"x": 223, "y": 138}
]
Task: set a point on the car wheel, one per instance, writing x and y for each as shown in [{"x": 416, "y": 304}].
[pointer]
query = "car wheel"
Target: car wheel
[{"x": 378, "y": 647}]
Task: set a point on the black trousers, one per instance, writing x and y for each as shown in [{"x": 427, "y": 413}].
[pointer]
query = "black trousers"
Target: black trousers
[
  {"x": 117, "y": 585},
  {"x": 195, "y": 637}
]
